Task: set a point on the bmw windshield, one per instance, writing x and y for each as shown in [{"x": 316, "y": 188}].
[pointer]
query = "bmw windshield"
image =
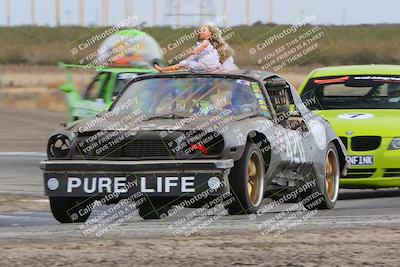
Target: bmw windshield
[
  {"x": 204, "y": 96},
  {"x": 354, "y": 92}
]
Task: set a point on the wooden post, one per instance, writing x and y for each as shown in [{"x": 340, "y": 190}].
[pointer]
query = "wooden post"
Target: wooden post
[
  {"x": 248, "y": 12},
  {"x": 177, "y": 13},
  {"x": 33, "y": 13},
  {"x": 104, "y": 13},
  {"x": 271, "y": 11},
  {"x": 81, "y": 12},
  {"x": 8, "y": 11},
  {"x": 57, "y": 7}
]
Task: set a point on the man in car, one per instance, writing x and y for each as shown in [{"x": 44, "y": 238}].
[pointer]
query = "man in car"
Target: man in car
[{"x": 394, "y": 92}]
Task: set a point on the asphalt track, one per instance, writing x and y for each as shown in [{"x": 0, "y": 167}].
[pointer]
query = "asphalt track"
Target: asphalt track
[{"x": 20, "y": 175}]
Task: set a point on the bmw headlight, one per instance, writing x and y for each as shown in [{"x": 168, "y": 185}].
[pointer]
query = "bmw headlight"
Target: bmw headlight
[
  {"x": 59, "y": 146},
  {"x": 395, "y": 144}
]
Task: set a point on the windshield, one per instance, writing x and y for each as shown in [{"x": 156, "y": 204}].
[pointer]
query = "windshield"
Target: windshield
[
  {"x": 354, "y": 92},
  {"x": 122, "y": 80},
  {"x": 205, "y": 96}
]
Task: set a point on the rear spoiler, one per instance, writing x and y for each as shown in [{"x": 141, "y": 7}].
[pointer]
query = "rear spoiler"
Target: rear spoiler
[
  {"x": 70, "y": 66},
  {"x": 136, "y": 68}
]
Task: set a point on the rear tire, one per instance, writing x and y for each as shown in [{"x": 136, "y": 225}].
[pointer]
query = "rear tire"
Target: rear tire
[
  {"x": 70, "y": 209},
  {"x": 247, "y": 182},
  {"x": 330, "y": 188}
]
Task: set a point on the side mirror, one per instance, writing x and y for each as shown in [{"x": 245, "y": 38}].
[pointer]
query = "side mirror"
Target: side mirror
[{"x": 67, "y": 88}]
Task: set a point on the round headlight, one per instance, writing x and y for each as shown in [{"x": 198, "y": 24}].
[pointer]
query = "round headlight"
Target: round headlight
[
  {"x": 52, "y": 184},
  {"x": 395, "y": 143},
  {"x": 214, "y": 183},
  {"x": 59, "y": 146}
]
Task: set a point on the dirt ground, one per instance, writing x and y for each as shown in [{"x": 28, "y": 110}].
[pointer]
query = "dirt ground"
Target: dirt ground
[
  {"x": 36, "y": 87},
  {"x": 27, "y": 130},
  {"x": 11, "y": 203},
  {"x": 330, "y": 247}
]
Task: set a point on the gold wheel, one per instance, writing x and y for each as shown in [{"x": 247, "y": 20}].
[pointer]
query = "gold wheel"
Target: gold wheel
[
  {"x": 255, "y": 183},
  {"x": 331, "y": 175}
]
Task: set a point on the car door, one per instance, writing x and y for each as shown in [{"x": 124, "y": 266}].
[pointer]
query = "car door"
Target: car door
[
  {"x": 291, "y": 131},
  {"x": 93, "y": 101},
  {"x": 97, "y": 88}
]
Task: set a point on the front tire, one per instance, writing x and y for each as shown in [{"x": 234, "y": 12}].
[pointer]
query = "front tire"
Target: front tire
[
  {"x": 330, "y": 189},
  {"x": 70, "y": 209},
  {"x": 247, "y": 181},
  {"x": 153, "y": 209}
]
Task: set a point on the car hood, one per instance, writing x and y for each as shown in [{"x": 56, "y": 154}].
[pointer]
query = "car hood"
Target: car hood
[
  {"x": 379, "y": 122},
  {"x": 160, "y": 124}
]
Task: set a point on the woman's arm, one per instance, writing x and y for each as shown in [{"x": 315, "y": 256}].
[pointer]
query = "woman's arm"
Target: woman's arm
[{"x": 202, "y": 46}]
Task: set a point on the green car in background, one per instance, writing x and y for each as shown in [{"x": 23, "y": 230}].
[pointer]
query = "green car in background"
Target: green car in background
[
  {"x": 119, "y": 58},
  {"x": 100, "y": 92},
  {"x": 362, "y": 103}
]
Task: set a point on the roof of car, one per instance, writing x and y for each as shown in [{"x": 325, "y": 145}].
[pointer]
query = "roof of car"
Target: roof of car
[
  {"x": 256, "y": 74},
  {"x": 356, "y": 70},
  {"x": 123, "y": 70}
]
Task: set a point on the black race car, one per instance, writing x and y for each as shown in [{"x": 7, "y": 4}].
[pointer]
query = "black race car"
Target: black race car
[{"x": 172, "y": 137}]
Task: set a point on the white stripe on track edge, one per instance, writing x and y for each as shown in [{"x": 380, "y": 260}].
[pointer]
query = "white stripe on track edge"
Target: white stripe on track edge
[{"x": 23, "y": 154}]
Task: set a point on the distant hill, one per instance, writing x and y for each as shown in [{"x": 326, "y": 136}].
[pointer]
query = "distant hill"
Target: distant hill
[{"x": 362, "y": 44}]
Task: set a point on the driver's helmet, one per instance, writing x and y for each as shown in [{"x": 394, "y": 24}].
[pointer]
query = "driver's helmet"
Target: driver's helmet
[
  {"x": 394, "y": 92},
  {"x": 394, "y": 89},
  {"x": 129, "y": 48}
]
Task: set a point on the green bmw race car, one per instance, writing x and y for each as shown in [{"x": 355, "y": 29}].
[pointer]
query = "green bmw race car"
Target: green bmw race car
[{"x": 362, "y": 103}]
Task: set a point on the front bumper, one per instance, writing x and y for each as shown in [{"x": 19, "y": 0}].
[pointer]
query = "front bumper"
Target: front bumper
[
  {"x": 164, "y": 178},
  {"x": 380, "y": 182},
  {"x": 385, "y": 172}
]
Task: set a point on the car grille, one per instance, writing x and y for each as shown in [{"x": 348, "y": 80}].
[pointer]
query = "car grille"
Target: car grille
[
  {"x": 391, "y": 173},
  {"x": 146, "y": 145},
  {"x": 359, "y": 173},
  {"x": 365, "y": 143},
  {"x": 344, "y": 140},
  {"x": 130, "y": 147},
  {"x": 138, "y": 149}
]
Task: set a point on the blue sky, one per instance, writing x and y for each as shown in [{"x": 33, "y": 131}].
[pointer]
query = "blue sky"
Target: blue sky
[{"x": 285, "y": 11}]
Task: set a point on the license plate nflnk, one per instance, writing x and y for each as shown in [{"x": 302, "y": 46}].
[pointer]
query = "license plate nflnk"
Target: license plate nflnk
[{"x": 361, "y": 160}]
